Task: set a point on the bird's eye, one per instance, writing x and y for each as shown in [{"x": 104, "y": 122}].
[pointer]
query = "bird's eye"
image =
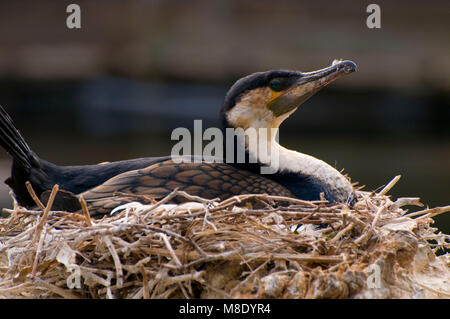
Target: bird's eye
[{"x": 275, "y": 85}]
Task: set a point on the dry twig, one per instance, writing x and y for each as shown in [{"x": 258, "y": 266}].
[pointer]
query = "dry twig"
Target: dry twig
[{"x": 148, "y": 254}]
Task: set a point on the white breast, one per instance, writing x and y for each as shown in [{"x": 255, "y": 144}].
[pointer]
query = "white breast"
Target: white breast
[
  {"x": 296, "y": 162},
  {"x": 291, "y": 161}
]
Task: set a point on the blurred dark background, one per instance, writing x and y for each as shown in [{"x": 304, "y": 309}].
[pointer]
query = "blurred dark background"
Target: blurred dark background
[{"x": 116, "y": 88}]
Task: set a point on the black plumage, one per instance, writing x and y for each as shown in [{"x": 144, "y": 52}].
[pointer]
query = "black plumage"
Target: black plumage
[{"x": 158, "y": 176}]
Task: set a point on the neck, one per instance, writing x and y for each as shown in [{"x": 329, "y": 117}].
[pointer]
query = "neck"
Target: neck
[
  {"x": 305, "y": 175},
  {"x": 333, "y": 183}
]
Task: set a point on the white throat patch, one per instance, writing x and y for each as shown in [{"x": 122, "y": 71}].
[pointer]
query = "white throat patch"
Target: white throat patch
[{"x": 252, "y": 112}]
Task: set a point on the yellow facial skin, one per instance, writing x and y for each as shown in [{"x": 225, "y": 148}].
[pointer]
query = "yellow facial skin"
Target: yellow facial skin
[
  {"x": 274, "y": 95},
  {"x": 252, "y": 111},
  {"x": 266, "y": 108}
]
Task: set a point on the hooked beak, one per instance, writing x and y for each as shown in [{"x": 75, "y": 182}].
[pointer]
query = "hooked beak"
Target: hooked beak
[{"x": 308, "y": 84}]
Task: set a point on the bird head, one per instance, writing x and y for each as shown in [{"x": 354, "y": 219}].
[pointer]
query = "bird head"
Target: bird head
[{"x": 266, "y": 99}]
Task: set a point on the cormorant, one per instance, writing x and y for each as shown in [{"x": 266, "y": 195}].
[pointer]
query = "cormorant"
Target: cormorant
[{"x": 259, "y": 100}]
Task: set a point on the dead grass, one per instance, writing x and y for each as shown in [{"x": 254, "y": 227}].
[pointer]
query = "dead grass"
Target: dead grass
[{"x": 228, "y": 249}]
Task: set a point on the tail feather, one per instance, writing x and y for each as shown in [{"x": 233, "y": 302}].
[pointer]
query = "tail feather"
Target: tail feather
[{"x": 13, "y": 142}]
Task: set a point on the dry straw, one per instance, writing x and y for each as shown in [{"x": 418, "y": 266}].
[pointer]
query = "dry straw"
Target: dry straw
[{"x": 248, "y": 246}]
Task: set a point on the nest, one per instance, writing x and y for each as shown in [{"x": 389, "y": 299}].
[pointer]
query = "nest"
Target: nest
[{"x": 248, "y": 246}]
